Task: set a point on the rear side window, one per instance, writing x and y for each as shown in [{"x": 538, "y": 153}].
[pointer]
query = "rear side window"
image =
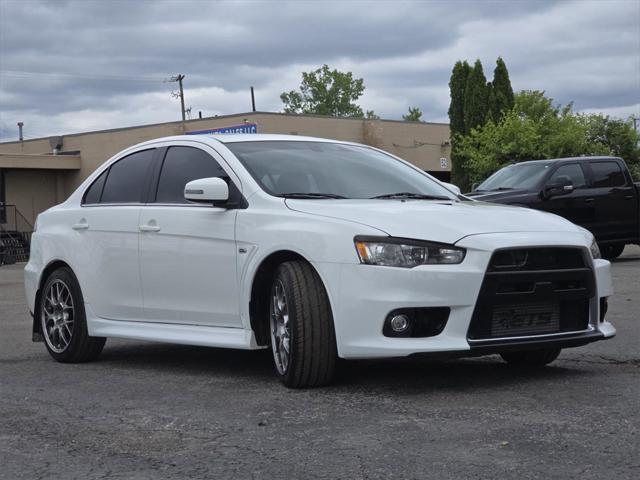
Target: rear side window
[
  {"x": 95, "y": 190},
  {"x": 573, "y": 171},
  {"x": 607, "y": 174},
  {"x": 126, "y": 178},
  {"x": 181, "y": 165}
]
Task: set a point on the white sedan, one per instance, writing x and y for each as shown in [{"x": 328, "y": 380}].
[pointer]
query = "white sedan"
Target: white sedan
[{"x": 315, "y": 248}]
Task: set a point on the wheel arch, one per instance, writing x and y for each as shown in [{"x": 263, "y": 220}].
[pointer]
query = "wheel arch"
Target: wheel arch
[{"x": 260, "y": 288}]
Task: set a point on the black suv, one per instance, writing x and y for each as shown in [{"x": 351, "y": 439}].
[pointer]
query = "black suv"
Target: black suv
[{"x": 596, "y": 193}]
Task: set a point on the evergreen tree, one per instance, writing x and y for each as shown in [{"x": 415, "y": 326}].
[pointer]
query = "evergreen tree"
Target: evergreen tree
[
  {"x": 493, "y": 111},
  {"x": 457, "y": 85},
  {"x": 502, "y": 90},
  {"x": 475, "y": 98}
]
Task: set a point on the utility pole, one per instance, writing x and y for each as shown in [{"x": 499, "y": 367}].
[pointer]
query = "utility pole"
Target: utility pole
[
  {"x": 253, "y": 101},
  {"x": 178, "y": 78}
]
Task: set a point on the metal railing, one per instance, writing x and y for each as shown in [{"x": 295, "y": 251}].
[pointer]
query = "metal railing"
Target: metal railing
[{"x": 15, "y": 235}]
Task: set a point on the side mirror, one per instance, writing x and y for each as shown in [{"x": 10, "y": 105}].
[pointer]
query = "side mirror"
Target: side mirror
[
  {"x": 454, "y": 188},
  {"x": 474, "y": 186},
  {"x": 207, "y": 190},
  {"x": 561, "y": 185}
]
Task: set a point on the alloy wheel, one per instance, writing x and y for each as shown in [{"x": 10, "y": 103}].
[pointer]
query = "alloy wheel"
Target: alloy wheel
[
  {"x": 279, "y": 323},
  {"x": 58, "y": 316}
]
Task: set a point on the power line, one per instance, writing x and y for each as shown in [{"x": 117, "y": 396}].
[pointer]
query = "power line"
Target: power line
[{"x": 122, "y": 78}]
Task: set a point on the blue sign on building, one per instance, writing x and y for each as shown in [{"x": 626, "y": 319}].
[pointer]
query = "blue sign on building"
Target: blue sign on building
[{"x": 242, "y": 128}]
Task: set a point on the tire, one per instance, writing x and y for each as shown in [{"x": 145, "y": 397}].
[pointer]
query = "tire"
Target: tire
[
  {"x": 531, "y": 358},
  {"x": 611, "y": 251},
  {"x": 300, "y": 316},
  {"x": 63, "y": 320}
]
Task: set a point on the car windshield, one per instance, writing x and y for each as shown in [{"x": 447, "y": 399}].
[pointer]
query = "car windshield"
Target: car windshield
[
  {"x": 301, "y": 169},
  {"x": 520, "y": 175}
]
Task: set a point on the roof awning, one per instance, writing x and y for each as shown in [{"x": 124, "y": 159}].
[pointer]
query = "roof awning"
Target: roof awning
[{"x": 40, "y": 162}]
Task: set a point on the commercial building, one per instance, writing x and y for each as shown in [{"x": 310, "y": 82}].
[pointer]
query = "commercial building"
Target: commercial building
[{"x": 37, "y": 174}]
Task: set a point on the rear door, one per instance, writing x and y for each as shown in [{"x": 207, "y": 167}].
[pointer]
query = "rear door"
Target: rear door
[
  {"x": 577, "y": 206},
  {"x": 188, "y": 250},
  {"x": 615, "y": 203},
  {"x": 107, "y": 231}
]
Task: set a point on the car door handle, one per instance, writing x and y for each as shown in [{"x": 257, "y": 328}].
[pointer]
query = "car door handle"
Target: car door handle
[
  {"x": 628, "y": 197},
  {"x": 149, "y": 228},
  {"x": 588, "y": 200},
  {"x": 80, "y": 226}
]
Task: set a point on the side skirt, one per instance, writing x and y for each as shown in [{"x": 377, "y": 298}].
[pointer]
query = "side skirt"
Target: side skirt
[{"x": 222, "y": 337}]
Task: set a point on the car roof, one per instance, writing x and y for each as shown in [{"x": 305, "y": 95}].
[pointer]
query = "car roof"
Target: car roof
[
  {"x": 257, "y": 137},
  {"x": 567, "y": 159}
]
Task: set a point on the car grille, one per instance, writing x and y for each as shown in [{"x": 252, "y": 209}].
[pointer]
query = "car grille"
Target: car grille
[{"x": 533, "y": 291}]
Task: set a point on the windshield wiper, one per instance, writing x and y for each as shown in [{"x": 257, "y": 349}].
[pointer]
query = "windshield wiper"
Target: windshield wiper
[
  {"x": 309, "y": 195},
  {"x": 499, "y": 189},
  {"x": 417, "y": 196}
]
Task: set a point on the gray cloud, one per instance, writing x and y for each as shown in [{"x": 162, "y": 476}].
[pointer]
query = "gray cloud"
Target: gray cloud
[{"x": 101, "y": 59}]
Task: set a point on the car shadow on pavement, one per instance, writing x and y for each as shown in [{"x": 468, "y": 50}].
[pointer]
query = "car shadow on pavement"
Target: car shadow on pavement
[{"x": 410, "y": 375}]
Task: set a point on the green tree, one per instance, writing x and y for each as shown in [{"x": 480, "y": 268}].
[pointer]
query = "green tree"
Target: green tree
[
  {"x": 535, "y": 128},
  {"x": 326, "y": 92},
  {"x": 413, "y": 115},
  {"x": 371, "y": 115},
  {"x": 617, "y": 136},
  {"x": 457, "y": 86},
  {"x": 502, "y": 91},
  {"x": 475, "y": 98},
  {"x": 493, "y": 112}
]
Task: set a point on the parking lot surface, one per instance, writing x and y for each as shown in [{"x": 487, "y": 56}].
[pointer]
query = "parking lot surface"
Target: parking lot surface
[{"x": 148, "y": 410}]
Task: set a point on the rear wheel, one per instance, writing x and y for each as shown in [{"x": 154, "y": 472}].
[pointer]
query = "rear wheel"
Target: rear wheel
[
  {"x": 531, "y": 358},
  {"x": 611, "y": 251},
  {"x": 63, "y": 320},
  {"x": 301, "y": 326}
]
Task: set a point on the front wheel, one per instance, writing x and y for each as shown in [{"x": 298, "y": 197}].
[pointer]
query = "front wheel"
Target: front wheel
[
  {"x": 531, "y": 358},
  {"x": 611, "y": 251},
  {"x": 301, "y": 325},
  {"x": 63, "y": 320}
]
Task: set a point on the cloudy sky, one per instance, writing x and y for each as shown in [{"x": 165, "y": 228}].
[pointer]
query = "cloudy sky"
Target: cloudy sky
[{"x": 76, "y": 65}]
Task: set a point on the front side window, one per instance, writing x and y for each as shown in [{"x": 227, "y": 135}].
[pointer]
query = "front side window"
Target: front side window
[
  {"x": 299, "y": 168},
  {"x": 607, "y": 174},
  {"x": 573, "y": 171},
  {"x": 126, "y": 178},
  {"x": 181, "y": 165}
]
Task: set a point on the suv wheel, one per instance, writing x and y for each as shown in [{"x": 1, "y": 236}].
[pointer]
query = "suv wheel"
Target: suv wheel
[
  {"x": 612, "y": 251},
  {"x": 531, "y": 358},
  {"x": 301, "y": 326},
  {"x": 63, "y": 320}
]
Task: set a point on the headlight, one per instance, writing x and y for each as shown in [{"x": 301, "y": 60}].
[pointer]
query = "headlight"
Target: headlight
[
  {"x": 595, "y": 250},
  {"x": 405, "y": 253}
]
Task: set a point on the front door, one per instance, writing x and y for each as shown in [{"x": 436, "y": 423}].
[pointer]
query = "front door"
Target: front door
[
  {"x": 188, "y": 250},
  {"x": 578, "y": 206}
]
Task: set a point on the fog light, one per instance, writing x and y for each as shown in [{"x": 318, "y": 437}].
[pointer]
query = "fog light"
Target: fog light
[{"x": 399, "y": 323}]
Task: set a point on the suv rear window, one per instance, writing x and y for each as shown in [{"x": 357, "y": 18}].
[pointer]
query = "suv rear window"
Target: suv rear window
[
  {"x": 607, "y": 174},
  {"x": 126, "y": 178}
]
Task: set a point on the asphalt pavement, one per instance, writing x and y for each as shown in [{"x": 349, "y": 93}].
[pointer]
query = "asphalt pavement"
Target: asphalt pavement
[{"x": 155, "y": 411}]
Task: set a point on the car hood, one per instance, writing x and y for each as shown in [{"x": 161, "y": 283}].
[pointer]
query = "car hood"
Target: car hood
[{"x": 437, "y": 221}]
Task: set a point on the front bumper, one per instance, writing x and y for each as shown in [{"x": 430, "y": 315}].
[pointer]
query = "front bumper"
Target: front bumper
[{"x": 362, "y": 296}]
